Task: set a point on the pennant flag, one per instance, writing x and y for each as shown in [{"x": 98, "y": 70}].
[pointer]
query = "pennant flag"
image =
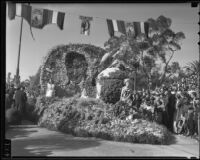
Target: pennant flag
[
  {"x": 11, "y": 10},
  {"x": 141, "y": 27},
  {"x": 85, "y": 25},
  {"x": 21, "y": 11},
  {"x": 116, "y": 26},
  {"x": 18, "y": 10},
  {"x": 37, "y": 18},
  {"x": 129, "y": 28},
  {"x": 42, "y": 17}
]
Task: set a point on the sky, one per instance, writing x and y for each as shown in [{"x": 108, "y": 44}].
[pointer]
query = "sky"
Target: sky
[{"x": 184, "y": 18}]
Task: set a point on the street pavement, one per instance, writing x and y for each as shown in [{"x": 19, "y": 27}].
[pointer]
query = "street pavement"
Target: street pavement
[{"x": 31, "y": 140}]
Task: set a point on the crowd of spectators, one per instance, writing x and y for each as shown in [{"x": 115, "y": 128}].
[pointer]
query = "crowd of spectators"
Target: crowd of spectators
[{"x": 176, "y": 106}]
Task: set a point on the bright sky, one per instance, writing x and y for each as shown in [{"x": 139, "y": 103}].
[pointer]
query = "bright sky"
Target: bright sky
[{"x": 184, "y": 18}]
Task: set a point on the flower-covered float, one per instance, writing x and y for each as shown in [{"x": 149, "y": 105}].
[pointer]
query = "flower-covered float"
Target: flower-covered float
[{"x": 100, "y": 113}]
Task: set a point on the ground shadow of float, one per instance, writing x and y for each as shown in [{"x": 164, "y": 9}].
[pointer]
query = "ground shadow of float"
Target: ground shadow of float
[{"x": 25, "y": 145}]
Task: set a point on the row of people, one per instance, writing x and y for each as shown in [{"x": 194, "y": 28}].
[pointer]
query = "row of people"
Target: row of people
[
  {"x": 176, "y": 109},
  {"x": 16, "y": 98}
]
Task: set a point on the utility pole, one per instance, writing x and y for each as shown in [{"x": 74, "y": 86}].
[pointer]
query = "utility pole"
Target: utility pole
[
  {"x": 17, "y": 78},
  {"x": 199, "y": 82}
]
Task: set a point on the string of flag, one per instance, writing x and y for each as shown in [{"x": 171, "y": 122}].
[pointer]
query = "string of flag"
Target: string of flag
[{"x": 38, "y": 18}]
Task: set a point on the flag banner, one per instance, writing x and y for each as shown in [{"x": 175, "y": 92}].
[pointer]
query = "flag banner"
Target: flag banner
[
  {"x": 43, "y": 17},
  {"x": 19, "y": 10},
  {"x": 141, "y": 27},
  {"x": 54, "y": 17},
  {"x": 116, "y": 26},
  {"x": 36, "y": 17},
  {"x": 129, "y": 28},
  {"x": 110, "y": 28},
  {"x": 11, "y": 10},
  {"x": 85, "y": 25}
]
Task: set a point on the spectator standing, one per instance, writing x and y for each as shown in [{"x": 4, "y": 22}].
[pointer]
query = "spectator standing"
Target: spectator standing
[
  {"x": 7, "y": 100},
  {"x": 195, "y": 104},
  {"x": 159, "y": 111},
  {"x": 11, "y": 93},
  {"x": 20, "y": 101},
  {"x": 190, "y": 121},
  {"x": 171, "y": 109},
  {"x": 165, "y": 113},
  {"x": 178, "y": 111}
]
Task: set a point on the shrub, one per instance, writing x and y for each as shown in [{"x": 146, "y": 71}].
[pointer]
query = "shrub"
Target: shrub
[
  {"x": 111, "y": 90},
  {"x": 13, "y": 116},
  {"x": 42, "y": 103},
  {"x": 85, "y": 102},
  {"x": 30, "y": 113},
  {"x": 119, "y": 107}
]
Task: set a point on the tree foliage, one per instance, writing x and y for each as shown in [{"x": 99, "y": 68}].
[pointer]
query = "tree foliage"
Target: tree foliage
[
  {"x": 193, "y": 67},
  {"x": 150, "y": 54}
]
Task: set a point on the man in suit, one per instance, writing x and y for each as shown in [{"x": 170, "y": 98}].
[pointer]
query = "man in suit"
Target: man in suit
[{"x": 20, "y": 101}]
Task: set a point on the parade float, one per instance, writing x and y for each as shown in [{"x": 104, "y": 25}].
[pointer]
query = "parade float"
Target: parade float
[{"x": 76, "y": 67}]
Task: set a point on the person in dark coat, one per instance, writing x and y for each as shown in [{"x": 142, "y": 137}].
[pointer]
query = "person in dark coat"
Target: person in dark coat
[
  {"x": 190, "y": 121},
  {"x": 7, "y": 100},
  {"x": 20, "y": 101},
  {"x": 171, "y": 108},
  {"x": 11, "y": 93},
  {"x": 165, "y": 115}
]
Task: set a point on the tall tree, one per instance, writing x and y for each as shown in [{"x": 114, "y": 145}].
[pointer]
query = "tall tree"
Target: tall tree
[
  {"x": 164, "y": 42},
  {"x": 159, "y": 47}
]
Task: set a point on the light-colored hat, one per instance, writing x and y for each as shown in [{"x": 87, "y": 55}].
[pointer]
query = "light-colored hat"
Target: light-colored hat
[{"x": 127, "y": 80}]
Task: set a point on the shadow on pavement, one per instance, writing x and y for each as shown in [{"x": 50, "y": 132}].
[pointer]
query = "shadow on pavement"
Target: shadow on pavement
[
  {"x": 19, "y": 133},
  {"x": 44, "y": 145},
  {"x": 172, "y": 139}
]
